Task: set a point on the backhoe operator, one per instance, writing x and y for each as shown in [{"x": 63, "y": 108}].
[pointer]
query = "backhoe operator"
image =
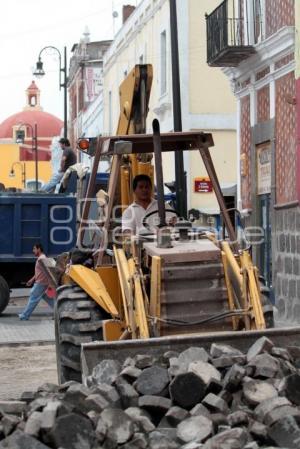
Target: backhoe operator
[{"x": 133, "y": 216}]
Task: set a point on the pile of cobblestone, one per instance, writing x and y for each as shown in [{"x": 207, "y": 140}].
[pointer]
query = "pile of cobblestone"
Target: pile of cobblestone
[{"x": 223, "y": 399}]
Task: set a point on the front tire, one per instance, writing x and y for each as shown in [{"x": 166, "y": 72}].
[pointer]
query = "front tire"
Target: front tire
[
  {"x": 4, "y": 294},
  {"x": 78, "y": 319}
]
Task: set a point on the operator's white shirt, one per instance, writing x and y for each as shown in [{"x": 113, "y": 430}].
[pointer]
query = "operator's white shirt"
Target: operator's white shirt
[{"x": 133, "y": 216}]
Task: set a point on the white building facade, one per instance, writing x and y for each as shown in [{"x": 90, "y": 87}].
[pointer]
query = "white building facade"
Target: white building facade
[{"x": 206, "y": 100}]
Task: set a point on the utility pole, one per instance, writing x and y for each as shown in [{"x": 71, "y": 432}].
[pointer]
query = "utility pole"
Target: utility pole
[{"x": 180, "y": 179}]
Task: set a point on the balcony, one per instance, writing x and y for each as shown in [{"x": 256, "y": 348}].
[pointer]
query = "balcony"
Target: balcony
[{"x": 229, "y": 37}]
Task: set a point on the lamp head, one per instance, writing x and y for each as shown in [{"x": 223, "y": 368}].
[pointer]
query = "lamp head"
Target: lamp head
[{"x": 39, "y": 71}]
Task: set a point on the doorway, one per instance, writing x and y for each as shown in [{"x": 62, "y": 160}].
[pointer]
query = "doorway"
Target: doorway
[{"x": 265, "y": 252}]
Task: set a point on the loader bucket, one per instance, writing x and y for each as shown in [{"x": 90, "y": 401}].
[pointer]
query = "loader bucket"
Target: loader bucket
[{"x": 93, "y": 353}]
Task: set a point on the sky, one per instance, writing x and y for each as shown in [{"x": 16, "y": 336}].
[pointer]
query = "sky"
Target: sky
[{"x": 29, "y": 25}]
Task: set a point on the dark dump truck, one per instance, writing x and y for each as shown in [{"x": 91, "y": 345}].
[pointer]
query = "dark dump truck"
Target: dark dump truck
[{"x": 27, "y": 218}]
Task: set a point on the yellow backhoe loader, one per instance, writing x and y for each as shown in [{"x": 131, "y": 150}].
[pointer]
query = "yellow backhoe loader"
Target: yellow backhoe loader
[{"x": 170, "y": 288}]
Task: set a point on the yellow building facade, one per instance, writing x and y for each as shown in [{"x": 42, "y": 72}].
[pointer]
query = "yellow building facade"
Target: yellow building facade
[
  {"x": 32, "y": 127},
  {"x": 13, "y": 172},
  {"x": 207, "y": 102}
]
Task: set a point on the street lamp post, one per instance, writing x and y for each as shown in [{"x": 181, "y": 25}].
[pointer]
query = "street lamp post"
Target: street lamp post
[
  {"x": 34, "y": 148},
  {"x": 39, "y": 72},
  {"x": 23, "y": 171}
]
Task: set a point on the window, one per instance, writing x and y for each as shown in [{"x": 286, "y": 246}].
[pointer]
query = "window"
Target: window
[
  {"x": 254, "y": 21},
  {"x": 20, "y": 136},
  {"x": 163, "y": 63}
]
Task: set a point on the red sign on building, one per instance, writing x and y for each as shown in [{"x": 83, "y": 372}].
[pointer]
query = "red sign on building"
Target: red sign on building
[{"x": 202, "y": 185}]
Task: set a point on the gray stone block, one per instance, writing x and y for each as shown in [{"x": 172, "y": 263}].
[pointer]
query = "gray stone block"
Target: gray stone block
[
  {"x": 261, "y": 345},
  {"x": 227, "y": 360},
  {"x": 287, "y": 243},
  {"x": 252, "y": 445},
  {"x": 215, "y": 404},
  {"x": 120, "y": 425},
  {"x": 292, "y": 288},
  {"x": 196, "y": 428},
  {"x": 259, "y": 431},
  {"x": 143, "y": 361},
  {"x": 101, "y": 430},
  {"x": 230, "y": 439},
  {"x": 285, "y": 433},
  {"x": 293, "y": 244},
  {"x": 187, "y": 389},
  {"x": 128, "y": 394},
  {"x": 255, "y": 391},
  {"x": 48, "y": 387},
  {"x": 219, "y": 421},
  {"x": 157, "y": 406},
  {"x": 282, "y": 242},
  {"x": 130, "y": 373},
  {"x": 33, "y": 424},
  {"x": 142, "y": 418},
  {"x": 233, "y": 378},
  {"x": 28, "y": 396},
  {"x": 49, "y": 414},
  {"x": 175, "y": 367},
  {"x": 205, "y": 371},
  {"x": 108, "y": 392},
  {"x": 191, "y": 355},
  {"x": 292, "y": 388},
  {"x": 96, "y": 402},
  {"x": 296, "y": 266},
  {"x": 280, "y": 412},
  {"x": 268, "y": 405},
  {"x": 157, "y": 440},
  {"x": 238, "y": 418},
  {"x": 9, "y": 423},
  {"x": 106, "y": 372},
  {"x": 138, "y": 441},
  {"x": 281, "y": 353},
  {"x": 21, "y": 440},
  {"x": 153, "y": 381},
  {"x": 13, "y": 407},
  {"x": 174, "y": 416},
  {"x": 218, "y": 350},
  {"x": 200, "y": 409},
  {"x": 264, "y": 365},
  {"x": 70, "y": 431}
]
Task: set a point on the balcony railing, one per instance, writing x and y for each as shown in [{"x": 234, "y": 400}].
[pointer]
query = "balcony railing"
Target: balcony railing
[{"x": 228, "y": 38}]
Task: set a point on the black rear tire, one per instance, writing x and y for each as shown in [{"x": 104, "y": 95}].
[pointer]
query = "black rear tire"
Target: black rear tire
[
  {"x": 78, "y": 319},
  {"x": 4, "y": 294}
]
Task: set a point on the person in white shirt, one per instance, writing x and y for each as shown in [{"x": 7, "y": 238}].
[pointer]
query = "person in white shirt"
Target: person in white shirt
[{"x": 132, "y": 218}]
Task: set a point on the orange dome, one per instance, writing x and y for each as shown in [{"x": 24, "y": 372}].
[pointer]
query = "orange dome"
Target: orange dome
[{"x": 47, "y": 124}]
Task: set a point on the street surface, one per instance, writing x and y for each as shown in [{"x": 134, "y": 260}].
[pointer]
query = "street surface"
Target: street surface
[{"x": 27, "y": 350}]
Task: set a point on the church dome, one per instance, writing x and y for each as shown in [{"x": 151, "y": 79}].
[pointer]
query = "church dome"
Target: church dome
[{"x": 48, "y": 125}]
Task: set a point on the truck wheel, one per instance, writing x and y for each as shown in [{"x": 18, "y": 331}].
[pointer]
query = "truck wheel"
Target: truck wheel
[
  {"x": 4, "y": 294},
  {"x": 78, "y": 319},
  {"x": 266, "y": 304}
]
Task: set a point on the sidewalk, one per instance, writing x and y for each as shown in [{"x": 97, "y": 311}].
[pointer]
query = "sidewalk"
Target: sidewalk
[{"x": 39, "y": 329}]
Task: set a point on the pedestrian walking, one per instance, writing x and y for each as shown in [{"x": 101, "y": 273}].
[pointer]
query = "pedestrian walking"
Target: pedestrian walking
[{"x": 39, "y": 283}]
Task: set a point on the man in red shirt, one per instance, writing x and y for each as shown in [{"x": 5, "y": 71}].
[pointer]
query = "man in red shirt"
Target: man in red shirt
[{"x": 40, "y": 285}]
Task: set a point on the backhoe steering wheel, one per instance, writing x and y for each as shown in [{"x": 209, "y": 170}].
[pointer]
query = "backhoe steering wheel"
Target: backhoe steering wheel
[{"x": 147, "y": 226}]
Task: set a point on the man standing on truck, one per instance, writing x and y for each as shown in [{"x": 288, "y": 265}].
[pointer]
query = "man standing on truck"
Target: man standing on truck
[
  {"x": 40, "y": 284},
  {"x": 68, "y": 159}
]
